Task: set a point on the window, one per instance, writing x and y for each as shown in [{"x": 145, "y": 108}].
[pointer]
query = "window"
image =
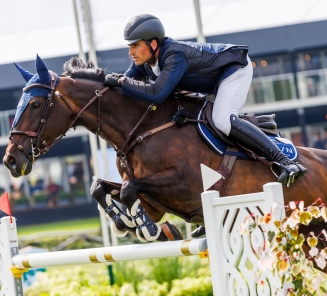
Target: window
[
  {"x": 272, "y": 65},
  {"x": 9, "y": 99},
  {"x": 310, "y": 60}
]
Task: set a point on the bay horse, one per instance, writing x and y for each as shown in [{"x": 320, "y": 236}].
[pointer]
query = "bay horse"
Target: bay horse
[{"x": 159, "y": 162}]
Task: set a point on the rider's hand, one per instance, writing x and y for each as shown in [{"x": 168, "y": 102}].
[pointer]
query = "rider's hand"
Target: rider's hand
[
  {"x": 180, "y": 117},
  {"x": 114, "y": 80}
]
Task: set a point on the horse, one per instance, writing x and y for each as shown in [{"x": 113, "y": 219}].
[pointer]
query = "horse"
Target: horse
[{"x": 158, "y": 161}]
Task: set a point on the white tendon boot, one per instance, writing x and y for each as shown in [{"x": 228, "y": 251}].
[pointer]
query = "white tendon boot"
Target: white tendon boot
[
  {"x": 144, "y": 224},
  {"x": 113, "y": 213}
]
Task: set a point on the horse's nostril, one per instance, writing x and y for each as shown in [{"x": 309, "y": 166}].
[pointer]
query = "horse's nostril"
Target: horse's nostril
[{"x": 11, "y": 160}]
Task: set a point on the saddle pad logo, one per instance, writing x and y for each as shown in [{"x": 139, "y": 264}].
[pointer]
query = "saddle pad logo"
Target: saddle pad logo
[{"x": 286, "y": 146}]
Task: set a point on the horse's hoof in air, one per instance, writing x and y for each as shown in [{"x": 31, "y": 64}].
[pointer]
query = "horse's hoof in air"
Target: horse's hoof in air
[
  {"x": 170, "y": 232},
  {"x": 201, "y": 230}
]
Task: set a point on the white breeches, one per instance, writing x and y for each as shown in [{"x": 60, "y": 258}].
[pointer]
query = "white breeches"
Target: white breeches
[{"x": 231, "y": 97}]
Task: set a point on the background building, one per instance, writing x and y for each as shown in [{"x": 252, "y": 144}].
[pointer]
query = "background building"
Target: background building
[{"x": 288, "y": 49}]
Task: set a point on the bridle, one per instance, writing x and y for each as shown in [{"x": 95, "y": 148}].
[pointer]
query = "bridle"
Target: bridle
[{"x": 37, "y": 136}]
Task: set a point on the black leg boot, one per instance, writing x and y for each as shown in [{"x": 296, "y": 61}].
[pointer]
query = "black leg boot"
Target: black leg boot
[{"x": 250, "y": 136}]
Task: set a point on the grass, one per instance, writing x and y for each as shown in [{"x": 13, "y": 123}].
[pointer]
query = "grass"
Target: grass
[{"x": 80, "y": 224}]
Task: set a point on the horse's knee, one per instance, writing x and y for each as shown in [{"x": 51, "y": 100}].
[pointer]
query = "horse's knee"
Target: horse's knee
[
  {"x": 128, "y": 193},
  {"x": 97, "y": 191}
]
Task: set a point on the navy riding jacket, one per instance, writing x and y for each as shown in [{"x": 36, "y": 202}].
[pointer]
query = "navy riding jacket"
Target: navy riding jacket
[{"x": 190, "y": 66}]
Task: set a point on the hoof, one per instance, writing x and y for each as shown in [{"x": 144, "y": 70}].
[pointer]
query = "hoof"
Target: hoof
[
  {"x": 198, "y": 232},
  {"x": 117, "y": 232},
  {"x": 169, "y": 232}
]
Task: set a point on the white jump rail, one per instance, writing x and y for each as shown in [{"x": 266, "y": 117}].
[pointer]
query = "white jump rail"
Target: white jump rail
[
  {"x": 111, "y": 254},
  {"x": 11, "y": 260},
  {"x": 233, "y": 257}
]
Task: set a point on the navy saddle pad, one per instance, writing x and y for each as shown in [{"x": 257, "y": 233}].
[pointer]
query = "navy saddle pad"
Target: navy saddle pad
[{"x": 219, "y": 146}]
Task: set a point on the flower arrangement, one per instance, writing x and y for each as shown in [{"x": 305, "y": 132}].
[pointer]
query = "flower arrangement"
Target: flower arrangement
[{"x": 283, "y": 251}]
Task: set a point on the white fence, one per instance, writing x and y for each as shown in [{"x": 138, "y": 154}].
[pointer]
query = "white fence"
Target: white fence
[
  {"x": 233, "y": 258},
  {"x": 9, "y": 285}
]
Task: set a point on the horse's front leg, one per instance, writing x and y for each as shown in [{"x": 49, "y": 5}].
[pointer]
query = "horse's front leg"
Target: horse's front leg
[
  {"x": 102, "y": 192},
  {"x": 146, "y": 229}
]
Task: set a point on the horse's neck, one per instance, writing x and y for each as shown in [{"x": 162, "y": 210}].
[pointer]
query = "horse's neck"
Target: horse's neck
[{"x": 118, "y": 115}]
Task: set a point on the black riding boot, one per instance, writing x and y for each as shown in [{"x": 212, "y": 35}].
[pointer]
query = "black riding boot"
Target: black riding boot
[{"x": 249, "y": 135}]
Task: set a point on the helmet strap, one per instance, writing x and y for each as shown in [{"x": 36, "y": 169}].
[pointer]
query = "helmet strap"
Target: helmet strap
[{"x": 152, "y": 60}]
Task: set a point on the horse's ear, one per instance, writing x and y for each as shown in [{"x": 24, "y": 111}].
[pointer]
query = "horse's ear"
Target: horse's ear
[
  {"x": 26, "y": 74},
  {"x": 42, "y": 70}
]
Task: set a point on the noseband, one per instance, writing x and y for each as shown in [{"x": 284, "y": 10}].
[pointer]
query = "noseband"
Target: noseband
[{"x": 37, "y": 136}]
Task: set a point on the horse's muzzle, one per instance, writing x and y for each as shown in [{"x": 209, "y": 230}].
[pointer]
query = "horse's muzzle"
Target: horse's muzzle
[{"x": 16, "y": 169}]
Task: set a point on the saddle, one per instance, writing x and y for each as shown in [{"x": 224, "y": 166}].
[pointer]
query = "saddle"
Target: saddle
[{"x": 266, "y": 123}]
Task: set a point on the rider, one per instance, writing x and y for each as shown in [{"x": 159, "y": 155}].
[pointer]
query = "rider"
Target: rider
[{"x": 224, "y": 70}]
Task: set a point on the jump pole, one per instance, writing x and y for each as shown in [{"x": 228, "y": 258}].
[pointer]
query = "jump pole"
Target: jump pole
[
  {"x": 15, "y": 264},
  {"x": 111, "y": 254}
]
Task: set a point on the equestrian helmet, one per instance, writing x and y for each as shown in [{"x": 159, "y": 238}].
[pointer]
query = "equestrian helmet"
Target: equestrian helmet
[{"x": 143, "y": 27}]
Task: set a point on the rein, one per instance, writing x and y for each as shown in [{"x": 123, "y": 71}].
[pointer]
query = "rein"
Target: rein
[
  {"x": 32, "y": 155},
  {"x": 122, "y": 153}
]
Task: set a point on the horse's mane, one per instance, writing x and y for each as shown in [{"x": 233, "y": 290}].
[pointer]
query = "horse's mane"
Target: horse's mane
[{"x": 75, "y": 68}]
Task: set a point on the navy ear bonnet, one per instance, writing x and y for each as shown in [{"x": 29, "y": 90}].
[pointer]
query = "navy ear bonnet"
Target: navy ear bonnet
[{"x": 42, "y": 76}]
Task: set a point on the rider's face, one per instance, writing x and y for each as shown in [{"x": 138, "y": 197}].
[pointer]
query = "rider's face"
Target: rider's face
[{"x": 140, "y": 52}]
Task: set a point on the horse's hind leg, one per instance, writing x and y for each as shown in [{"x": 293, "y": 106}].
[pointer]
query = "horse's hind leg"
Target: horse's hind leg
[{"x": 121, "y": 222}]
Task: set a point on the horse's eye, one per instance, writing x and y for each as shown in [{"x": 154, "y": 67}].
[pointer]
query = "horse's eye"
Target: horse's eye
[{"x": 36, "y": 104}]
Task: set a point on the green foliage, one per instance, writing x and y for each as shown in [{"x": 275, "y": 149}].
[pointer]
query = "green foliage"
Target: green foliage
[
  {"x": 192, "y": 287},
  {"x": 128, "y": 272},
  {"x": 79, "y": 224},
  {"x": 166, "y": 269},
  {"x": 133, "y": 278},
  {"x": 74, "y": 281},
  {"x": 51, "y": 242}
]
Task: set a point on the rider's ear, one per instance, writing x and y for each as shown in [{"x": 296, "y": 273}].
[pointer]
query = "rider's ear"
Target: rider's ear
[{"x": 154, "y": 44}]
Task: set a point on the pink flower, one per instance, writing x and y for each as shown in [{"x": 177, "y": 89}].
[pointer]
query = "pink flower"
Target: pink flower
[
  {"x": 321, "y": 262},
  {"x": 292, "y": 205},
  {"x": 313, "y": 251},
  {"x": 317, "y": 281}
]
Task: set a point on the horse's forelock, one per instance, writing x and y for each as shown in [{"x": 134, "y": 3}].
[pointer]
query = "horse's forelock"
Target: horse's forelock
[{"x": 76, "y": 68}]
